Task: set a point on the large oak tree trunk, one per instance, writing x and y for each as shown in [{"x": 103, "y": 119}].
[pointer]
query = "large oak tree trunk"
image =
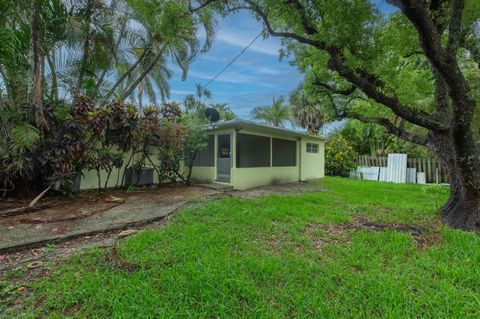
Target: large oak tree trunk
[{"x": 462, "y": 210}]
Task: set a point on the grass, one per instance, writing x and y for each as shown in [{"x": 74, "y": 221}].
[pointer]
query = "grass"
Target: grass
[{"x": 302, "y": 256}]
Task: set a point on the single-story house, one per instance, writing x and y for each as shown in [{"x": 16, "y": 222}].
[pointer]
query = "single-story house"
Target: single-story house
[{"x": 245, "y": 154}]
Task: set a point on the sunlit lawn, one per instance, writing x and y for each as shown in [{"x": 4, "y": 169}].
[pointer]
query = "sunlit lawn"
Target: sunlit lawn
[{"x": 279, "y": 257}]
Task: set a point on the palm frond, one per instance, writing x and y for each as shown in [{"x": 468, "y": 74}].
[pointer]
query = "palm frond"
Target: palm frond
[{"x": 24, "y": 137}]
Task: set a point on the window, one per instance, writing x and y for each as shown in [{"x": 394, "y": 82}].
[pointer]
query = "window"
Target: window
[
  {"x": 312, "y": 148},
  {"x": 253, "y": 151},
  {"x": 207, "y": 157},
  {"x": 224, "y": 146},
  {"x": 283, "y": 152}
]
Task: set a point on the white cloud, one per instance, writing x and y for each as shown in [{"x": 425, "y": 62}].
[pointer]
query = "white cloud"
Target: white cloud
[
  {"x": 228, "y": 77},
  {"x": 199, "y": 75},
  {"x": 242, "y": 40},
  {"x": 268, "y": 70},
  {"x": 180, "y": 92}
]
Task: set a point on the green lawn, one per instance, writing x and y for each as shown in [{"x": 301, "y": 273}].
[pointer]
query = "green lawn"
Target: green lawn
[{"x": 303, "y": 256}]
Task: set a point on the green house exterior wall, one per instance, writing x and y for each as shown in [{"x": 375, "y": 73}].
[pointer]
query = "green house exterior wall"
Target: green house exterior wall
[
  {"x": 89, "y": 178},
  {"x": 312, "y": 164},
  {"x": 308, "y": 166}
]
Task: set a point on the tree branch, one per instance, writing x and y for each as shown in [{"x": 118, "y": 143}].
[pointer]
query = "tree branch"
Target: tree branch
[
  {"x": 392, "y": 128},
  {"x": 443, "y": 60},
  {"x": 429, "y": 37},
  {"x": 114, "y": 52},
  {"x": 200, "y": 6},
  {"x": 254, "y": 7},
  {"x": 442, "y": 102},
  {"x": 333, "y": 90},
  {"x": 86, "y": 48},
  {"x": 307, "y": 26},
  {"x": 455, "y": 29},
  {"x": 368, "y": 83}
]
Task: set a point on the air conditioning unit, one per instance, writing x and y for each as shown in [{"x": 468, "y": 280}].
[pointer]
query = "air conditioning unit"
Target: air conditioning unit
[
  {"x": 139, "y": 176},
  {"x": 70, "y": 184}
]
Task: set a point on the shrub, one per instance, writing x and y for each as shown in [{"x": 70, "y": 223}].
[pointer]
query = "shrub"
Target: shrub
[
  {"x": 340, "y": 158},
  {"x": 87, "y": 136}
]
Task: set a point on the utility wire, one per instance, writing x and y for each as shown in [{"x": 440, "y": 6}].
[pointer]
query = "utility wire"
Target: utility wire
[{"x": 233, "y": 61}]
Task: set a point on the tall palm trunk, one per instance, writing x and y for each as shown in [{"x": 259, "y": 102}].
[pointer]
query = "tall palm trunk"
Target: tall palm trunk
[
  {"x": 86, "y": 49},
  {"x": 140, "y": 96},
  {"x": 37, "y": 94},
  {"x": 53, "y": 71},
  {"x": 140, "y": 78},
  {"x": 126, "y": 74},
  {"x": 101, "y": 79}
]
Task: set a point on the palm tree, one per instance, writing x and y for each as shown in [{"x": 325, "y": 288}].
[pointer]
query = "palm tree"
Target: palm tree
[
  {"x": 275, "y": 114},
  {"x": 78, "y": 44},
  {"x": 15, "y": 50},
  {"x": 195, "y": 104},
  {"x": 98, "y": 48},
  {"x": 224, "y": 110},
  {"x": 305, "y": 113},
  {"x": 18, "y": 137},
  {"x": 177, "y": 39},
  {"x": 153, "y": 84}
]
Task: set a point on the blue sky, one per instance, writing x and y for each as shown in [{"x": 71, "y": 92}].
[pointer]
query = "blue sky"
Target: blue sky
[{"x": 254, "y": 79}]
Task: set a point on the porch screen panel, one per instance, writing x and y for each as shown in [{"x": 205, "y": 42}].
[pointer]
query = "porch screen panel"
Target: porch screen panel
[
  {"x": 284, "y": 152},
  {"x": 253, "y": 151},
  {"x": 207, "y": 157}
]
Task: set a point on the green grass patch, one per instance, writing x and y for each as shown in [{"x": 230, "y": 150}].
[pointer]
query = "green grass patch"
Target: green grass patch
[{"x": 301, "y": 256}]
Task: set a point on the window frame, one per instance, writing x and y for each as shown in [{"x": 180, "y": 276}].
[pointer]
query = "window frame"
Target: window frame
[
  {"x": 284, "y": 159},
  {"x": 312, "y": 148},
  {"x": 206, "y": 158},
  {"x": 244, "y": 160}
]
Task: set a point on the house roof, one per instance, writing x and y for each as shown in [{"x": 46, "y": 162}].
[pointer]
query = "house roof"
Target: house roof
[{"x": 238, "y": 123}]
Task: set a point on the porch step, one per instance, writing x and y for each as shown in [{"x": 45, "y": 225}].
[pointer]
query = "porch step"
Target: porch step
[{"x": 217, "y": 186}]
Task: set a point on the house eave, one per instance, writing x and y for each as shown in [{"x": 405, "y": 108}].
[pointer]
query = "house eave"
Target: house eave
[{"x": 240, "y": 124}]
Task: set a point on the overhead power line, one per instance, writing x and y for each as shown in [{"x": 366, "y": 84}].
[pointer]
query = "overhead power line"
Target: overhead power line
[{"x": 233, "y": 61}]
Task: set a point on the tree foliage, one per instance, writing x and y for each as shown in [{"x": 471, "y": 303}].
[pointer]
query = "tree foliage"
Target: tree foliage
[
  {"x": 414, "y": 72},
  {"x": 62, "y": 62},
  {"x": 306, "y": 112},
  {"x": 374, "y": 140},
  {"x": 340, "y": 157},
  {"x": 275, "y": 114},
  {"x": 195, "y": 105}
]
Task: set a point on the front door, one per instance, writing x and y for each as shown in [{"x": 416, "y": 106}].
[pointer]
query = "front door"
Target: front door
[{"x": 224, "y": 158}]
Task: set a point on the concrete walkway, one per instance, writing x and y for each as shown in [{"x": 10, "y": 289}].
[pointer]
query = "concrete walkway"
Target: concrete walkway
[
  {"x": 137, "y": 211},
  {"x": 280, "y": 189}
]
